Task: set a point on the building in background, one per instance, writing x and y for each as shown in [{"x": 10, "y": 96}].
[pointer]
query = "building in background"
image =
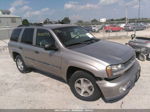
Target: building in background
[
  {"x": 8, "y": 20},
  {"x": 7, "y": 23}
]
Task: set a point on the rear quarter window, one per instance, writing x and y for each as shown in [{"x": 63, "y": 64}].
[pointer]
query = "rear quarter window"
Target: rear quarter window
[{"x": 15, "y": 35}]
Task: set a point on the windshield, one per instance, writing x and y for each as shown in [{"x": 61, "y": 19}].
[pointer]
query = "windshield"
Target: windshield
[{"x": 73, "y": 35}]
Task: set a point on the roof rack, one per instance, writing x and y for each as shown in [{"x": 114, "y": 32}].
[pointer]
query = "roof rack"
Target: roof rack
[{"x": 36, "y": 24}]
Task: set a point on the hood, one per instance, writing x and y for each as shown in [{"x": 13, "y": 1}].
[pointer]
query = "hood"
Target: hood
[{"x": 109, "y": 52}]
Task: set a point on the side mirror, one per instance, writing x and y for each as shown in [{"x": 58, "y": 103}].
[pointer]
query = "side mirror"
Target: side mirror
[
  {"x": 133, "y": 36},
  {"x": 50, "y": 47}
]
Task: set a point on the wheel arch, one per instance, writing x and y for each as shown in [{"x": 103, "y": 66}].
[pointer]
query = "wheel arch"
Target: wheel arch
[
  {"x": 73, "y": 69},
  {"x": 15, "y": 54}
]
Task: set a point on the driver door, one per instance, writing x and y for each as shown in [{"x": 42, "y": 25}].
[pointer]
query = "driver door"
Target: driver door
[{"x": 46, "y": 60}]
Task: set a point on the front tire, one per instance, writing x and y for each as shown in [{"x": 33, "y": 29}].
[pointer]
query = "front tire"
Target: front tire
[
  {"x": 148, "y": 57},
  {"x": 21, "y": 65},
  {"x": 141, "y": 57},
  {"x": 83, "y": 86}
]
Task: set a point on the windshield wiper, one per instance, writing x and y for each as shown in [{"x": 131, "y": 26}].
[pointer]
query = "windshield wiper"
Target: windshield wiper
[
  {"x": 92, "y": 40},
  {"x": 74, "y": 44}
]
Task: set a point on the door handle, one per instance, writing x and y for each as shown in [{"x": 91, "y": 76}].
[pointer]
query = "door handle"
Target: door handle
[{"x": 37, "y": 52}]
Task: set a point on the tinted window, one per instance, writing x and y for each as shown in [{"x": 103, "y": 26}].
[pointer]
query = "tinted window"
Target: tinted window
[
  {"x": 15, "y": 35},
  {"x": 43, "y": 37},
  {"x": 27, "y": 36}
]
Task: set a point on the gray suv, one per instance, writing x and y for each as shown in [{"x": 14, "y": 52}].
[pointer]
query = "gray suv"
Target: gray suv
[{"x": 93, "y": 68}]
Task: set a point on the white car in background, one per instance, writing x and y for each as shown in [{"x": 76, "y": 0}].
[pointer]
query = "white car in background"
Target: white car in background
[
  {"x": 122, "y": 25},
  {"x": 97, "y": 28}
]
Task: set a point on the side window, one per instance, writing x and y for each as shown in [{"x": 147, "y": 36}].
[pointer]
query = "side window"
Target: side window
[
  {"x": 27, "y": 36},
  {"x": 43, "y": 37},
  {"x": 15, "y": 35}
]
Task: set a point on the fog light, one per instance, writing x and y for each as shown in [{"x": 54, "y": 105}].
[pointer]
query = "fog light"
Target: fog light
[
  {"x": 125, "y": 87},
  {"x": 122, "y": 89}
]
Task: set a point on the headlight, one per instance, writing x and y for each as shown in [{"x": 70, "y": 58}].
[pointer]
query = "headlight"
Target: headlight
[
  {"x": 113, "y": 69},
  {"x": 116, "y": 68}
]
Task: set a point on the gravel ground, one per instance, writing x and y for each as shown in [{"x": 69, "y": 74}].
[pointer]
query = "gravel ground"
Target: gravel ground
[{"x": 38, "y": 90}]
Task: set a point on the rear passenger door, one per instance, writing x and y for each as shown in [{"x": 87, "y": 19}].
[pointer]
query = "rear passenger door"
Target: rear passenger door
[
  {"x": 13, "y": 44},
  {"x": 46, "y": 60},
  {"x": 26, "y": 46}
]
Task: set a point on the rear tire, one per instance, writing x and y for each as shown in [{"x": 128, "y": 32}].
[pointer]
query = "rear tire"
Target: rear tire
[
  {"x": 83, "y": 86},
  {"x": 21, "y": 65}
]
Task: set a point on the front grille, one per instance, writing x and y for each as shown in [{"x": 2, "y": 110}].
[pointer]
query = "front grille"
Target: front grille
[
  {"x": 129, "y": 61},
  {"x": 127, "y": 65}
]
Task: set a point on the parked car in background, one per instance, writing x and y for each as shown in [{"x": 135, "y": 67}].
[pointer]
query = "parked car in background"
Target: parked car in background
[
  {"x": 122, "y": 25},
  {"x": 93, "y": 68},
  {"x": 134, "y": 27},
  {"x": 113, "y": 28},
  {"x": 88, "y": 28},
  {"x": 97, "y": 28},
  {"x": 94, "y": 28},
  {"x": 141, "y": 46},
  {"x": 146, "y": 25}
]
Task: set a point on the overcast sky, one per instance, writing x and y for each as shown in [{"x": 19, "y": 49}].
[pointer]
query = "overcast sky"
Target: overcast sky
[{"x": 37, "y": 10}]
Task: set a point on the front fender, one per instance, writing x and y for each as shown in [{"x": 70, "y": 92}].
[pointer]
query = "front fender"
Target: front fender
[{"x": 85, "y": 66}]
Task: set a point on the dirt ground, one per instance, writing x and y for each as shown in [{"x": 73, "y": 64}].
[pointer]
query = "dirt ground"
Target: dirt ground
[{"x": 38, "y": 90}]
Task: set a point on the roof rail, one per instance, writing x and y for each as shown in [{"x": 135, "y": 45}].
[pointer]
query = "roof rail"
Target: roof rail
[{"x": 36, "y": 24}]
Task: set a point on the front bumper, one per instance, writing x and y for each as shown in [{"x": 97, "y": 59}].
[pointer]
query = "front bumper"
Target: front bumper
[{"x": 119, "y": 87}]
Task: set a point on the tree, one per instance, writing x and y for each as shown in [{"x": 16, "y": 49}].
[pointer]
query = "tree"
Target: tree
[
  {"x": 47, "y": 21},
  {"x": 66, "y": 20},
  {"x": 79, "y": 22},
  {"x": 25, "y": 22},
  {"x": 94, "y": 21},
  {"x": 59, "y": 22}
]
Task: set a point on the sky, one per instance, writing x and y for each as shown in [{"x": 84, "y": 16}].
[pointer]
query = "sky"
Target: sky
[{"x": 38, "y": 10}]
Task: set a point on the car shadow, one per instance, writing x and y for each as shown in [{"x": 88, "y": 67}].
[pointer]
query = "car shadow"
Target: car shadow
[{"x": 63, "y": 81}]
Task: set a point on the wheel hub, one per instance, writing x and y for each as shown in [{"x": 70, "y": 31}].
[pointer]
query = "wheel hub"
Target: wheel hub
[
  {"x": 20, "y": 64},
  {"x": 84, "y": 87}
]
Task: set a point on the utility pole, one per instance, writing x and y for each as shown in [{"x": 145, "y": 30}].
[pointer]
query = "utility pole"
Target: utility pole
[
  {"x": 126, "y": 13},
  {"x": 139, "y": 10}
]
